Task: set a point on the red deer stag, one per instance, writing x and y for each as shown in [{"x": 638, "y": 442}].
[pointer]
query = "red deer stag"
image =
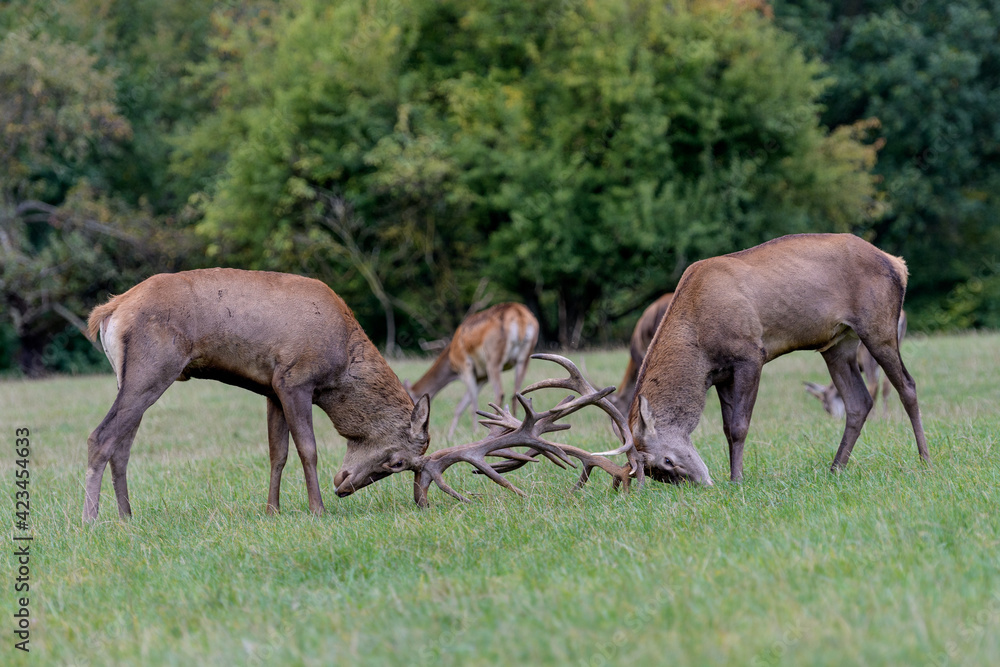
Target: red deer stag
[
  {"x": 484, "y": 345},
  {"x": 830, "y": 397},
  {"x": 641, "y": 335},
  {"x": 294, "y": 341},
  {"x": 732, "y": 314},
  {"x": 288, "y": 338}
]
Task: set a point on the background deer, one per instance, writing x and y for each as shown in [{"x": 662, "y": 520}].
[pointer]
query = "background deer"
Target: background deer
[
  {"x": 484, "y": 345},
  {"x": 641, "y": 336},
  {"x": 288, "y": 338},
  {"x": 732, "y": 314},
  {"x": 830, "y": 397}
]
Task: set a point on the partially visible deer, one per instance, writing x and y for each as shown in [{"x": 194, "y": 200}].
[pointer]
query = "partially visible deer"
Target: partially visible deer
[
  {"x": 484, "y": 345},
  {"x": 732, "y": 314},
  {"x": 641, "y": 336},
  {"x": 288, "y": 338},
  {"x": 830, "y": 397}
]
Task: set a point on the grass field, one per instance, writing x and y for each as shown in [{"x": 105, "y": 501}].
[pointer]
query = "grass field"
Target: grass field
[{"x": 886, "y": 563}]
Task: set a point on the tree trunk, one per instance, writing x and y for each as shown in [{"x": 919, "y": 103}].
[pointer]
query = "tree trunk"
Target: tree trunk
[
  {"x": 30, "y": 358},
  {"x": 572, "y": 316}
]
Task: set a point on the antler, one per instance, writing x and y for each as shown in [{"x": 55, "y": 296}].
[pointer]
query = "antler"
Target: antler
[{"x": 507, "y": 432}]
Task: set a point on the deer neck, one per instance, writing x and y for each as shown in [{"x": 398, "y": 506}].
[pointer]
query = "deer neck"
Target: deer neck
[
  {"x": 626, "y": 388},
  {"x": 675, "y": 378},
  {"x": 437, "y": 376},
  {"x": 369, "y": 404}
]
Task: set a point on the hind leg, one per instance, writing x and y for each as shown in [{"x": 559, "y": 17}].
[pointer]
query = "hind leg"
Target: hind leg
[
  {"x": 112, "y": 439},
  {"x": 841, "y": 360},
  {"x": 494, "y": 371},
  {"x": 277, "y": 445},
  {"x": 296, "y": 403},
  {"x": 886, "y": 353},
  {"x": 470, "y": 399},
  {"x": 520, "y": 369}
]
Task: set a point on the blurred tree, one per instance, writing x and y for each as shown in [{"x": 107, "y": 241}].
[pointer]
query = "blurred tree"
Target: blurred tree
[
  {"x": 929, "y": 70},
  {"x": 59, "y": 120},
  {"x": 56, "y": 110},
  {"x": 579, "y": 153}
]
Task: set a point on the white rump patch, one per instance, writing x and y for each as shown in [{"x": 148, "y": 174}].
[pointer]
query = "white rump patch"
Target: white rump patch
[
  {"x": 517, "y": 343},
  {"x": 113, "y": 348}
]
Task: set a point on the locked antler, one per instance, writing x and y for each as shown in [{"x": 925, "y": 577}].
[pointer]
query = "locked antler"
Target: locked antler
[{"x": 507, "y": 432}]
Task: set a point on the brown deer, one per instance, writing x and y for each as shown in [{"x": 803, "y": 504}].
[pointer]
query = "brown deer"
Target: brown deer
[
  {"x": 641, "y": 335},
  {"x": 484, "y": 345},
  {"x": 295, "y": 342},
  {"x": 830, "y": 397},
  {"x": 288, "y": 338},
  {"x": 732, "y": 314}
]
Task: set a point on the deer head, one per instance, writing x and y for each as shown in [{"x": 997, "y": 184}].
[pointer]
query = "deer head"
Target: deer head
[
  {"x": 402, "y": 449},
  {"x": 667, "y": 452},
  {"x": 829, "y": 397}
]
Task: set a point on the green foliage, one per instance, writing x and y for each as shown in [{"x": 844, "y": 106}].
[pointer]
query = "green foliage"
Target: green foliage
[
  {"x": 930, "y": 71},
  {"x": 68, "y": 234},
  {"x": 974, "y": 303},
  {"x": 577, "y": 155},
  {"x": 559, "y": 148},
  {"x": 59, "y": 117},
  {"x": 57, "y": 111}
]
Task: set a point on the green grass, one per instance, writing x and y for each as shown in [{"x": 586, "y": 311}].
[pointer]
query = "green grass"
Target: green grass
[{"x": 886, "y": 563}]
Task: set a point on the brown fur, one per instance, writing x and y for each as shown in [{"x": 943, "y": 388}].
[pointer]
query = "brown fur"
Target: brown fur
[
  {"x": 734, "y": 313},
  {"x": 288, "y": 338},
  {"x": 641, "y": 337},
  {"x": 480, "y": 350},
  {"x": 828, "y": 395}
]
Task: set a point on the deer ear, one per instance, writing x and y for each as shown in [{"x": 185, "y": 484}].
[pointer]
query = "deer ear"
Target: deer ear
[
  {"x": 647, "y": 423},
  {"x": 814, "y": 389},
  {"x": 419, "y": 418}
]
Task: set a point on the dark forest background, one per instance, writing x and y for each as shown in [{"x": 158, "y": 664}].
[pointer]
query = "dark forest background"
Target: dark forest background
[{"x": 422, "y": 157}]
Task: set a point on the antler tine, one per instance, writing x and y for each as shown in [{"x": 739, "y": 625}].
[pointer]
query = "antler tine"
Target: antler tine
[
  {"x": 576, "y": 382},
  {"x": 500, "y": 417},
  {"x": 527, "y": 433},
  {"x": 621, "y": 474},
  {"x": 507, "y": 432}
]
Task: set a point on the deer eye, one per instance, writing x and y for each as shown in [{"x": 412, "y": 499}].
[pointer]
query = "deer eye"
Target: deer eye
[
  {"x": 394, "y": 464},
  {"x": 667, "y": 462}
]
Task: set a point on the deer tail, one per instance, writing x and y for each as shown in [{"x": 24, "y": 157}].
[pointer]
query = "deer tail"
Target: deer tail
[{"x": 97, "y": 317}]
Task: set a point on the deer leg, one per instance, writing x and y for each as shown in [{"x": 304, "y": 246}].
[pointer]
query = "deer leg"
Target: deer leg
[
  {"x": 119, "y": 477},
  {"x": 870, "y": 369},
  {"x": 886, "y": 385},
  {"x": 297, "y": 406},
  {"x": 841, "y": 360},
  {"x": 520, "y": 369},
  {"x": 459, "y": 409},
  {"x": 112, "y": 440},
  {"x": 888, "y": 357},
  {"x": 277, "y": 445},
  {"x": 494, "y": 372},
  {"x": 471, "y": 398},
  {"x": 737, "y": 397}
]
